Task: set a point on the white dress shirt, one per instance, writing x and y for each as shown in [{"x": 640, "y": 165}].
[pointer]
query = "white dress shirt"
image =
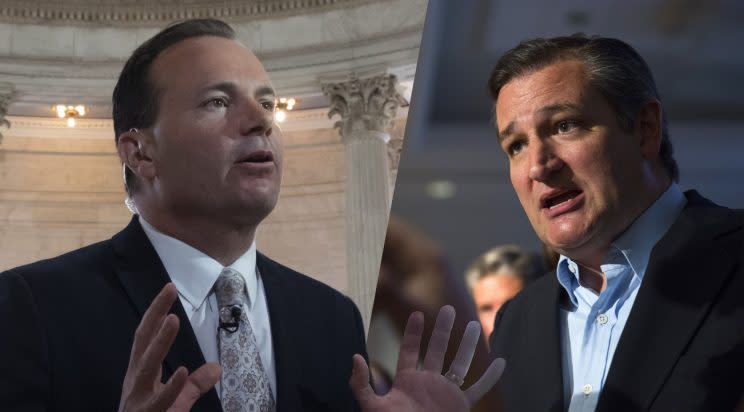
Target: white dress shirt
[{"x": 194, "y": 275}]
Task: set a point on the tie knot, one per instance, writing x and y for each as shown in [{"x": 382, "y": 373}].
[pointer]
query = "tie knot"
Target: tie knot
[{"x": 229, "y": 288}]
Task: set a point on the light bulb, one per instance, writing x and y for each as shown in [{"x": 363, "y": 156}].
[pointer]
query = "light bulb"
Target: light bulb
[
  {"x": 70, "y": 122},
  {"x": 280, "y": 116}
]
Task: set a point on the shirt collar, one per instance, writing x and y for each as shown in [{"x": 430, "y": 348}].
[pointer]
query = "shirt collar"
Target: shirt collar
[
  {"x": 635, "y": 244},
  {"x": 640, "y": 238},
  {"x": 193, "y": 272}
]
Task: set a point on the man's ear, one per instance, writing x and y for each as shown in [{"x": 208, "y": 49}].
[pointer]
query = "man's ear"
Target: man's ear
[
  {"x": 133, "y": 147},
  {"x": 649, "y": 126}
]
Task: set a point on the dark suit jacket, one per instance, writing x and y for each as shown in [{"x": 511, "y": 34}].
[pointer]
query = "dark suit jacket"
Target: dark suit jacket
[
  {"x": 683, "y": 345},
  {"x": 68, "y": 325}
]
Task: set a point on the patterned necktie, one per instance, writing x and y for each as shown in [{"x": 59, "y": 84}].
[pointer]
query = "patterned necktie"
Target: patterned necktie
[{"x": 244, "y": 385}]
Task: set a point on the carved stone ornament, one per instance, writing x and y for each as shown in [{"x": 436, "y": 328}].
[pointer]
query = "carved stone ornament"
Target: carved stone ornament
[
  {"x": 148, "y": 13},
  {"x": 365, "y": 105},
  {"x": 6, "y": 94},
  {"x": 394, "y": 148}
]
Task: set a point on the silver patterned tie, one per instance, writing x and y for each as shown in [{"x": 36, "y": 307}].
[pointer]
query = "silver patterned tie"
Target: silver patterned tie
[{"x": 244, "y": 385}]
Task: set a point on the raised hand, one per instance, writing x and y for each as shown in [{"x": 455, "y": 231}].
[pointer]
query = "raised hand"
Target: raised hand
[
  {"x": 143, "y": 390},
  {"x": 427, "y": 389}
]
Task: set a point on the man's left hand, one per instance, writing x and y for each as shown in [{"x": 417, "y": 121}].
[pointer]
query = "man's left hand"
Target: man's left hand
[{"x": 426, "y": 389}]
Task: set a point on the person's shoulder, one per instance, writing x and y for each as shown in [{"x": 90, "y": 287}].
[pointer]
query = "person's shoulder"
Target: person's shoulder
[
  {"x": 704, "y": 212},
  {"x": 534, "y": 295},
  {"x": 700, "y": 204},
  {"x": 537, "y": 291},
  {"x": 299, "y": 283},
  {"x": 73, "y": 263},
  {"x": 334, "y": 316}
]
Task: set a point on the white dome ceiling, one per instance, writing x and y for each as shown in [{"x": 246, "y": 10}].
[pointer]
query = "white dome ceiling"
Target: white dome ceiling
[
  {"x": 143, "y": 12},
  {"x": 71, "y": 52}
]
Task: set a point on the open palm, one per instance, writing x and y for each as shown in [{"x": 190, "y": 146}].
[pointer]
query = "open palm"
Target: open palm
[{"x": 426, "y": 389}]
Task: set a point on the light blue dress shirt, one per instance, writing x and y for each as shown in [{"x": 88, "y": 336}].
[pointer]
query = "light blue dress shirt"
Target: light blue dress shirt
[{"x": 592, "y": 324}]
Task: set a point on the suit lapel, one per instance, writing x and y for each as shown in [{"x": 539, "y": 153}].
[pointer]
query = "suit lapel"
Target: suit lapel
[
  {"x": 280, "y": 297},
  {"x": 544, "y": 348},
  {"x": 687, "y": 269},
  {"x": 143, "y": 276}
]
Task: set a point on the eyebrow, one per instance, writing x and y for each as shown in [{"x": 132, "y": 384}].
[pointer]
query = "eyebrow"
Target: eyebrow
[
  {"x": 550, "y": 109},
  {"x": 232, "y": 88}
]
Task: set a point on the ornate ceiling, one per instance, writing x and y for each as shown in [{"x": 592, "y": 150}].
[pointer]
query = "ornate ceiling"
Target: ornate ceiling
[
  {"x": 71, "y": 51},
  {"x": 145, "y": 13}
]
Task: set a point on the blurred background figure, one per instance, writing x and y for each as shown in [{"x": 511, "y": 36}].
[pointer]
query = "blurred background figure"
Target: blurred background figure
[{"x": 496, "y": 276}]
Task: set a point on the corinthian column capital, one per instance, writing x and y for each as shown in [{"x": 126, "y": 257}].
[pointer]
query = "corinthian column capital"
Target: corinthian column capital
[{"x": 364, "y": 105}]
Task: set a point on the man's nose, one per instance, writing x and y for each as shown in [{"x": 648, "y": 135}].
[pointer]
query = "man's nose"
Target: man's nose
[
  {"x": 543, "y": 161},
  {"x": 256, "y": 120}
]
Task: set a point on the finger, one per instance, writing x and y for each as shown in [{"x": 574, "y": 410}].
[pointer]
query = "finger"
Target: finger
[
  {"x": 170, "y": 390},
  {"x": 152, "y": 320},
  {"x": 197, "y": 384},
  {"x": 465, "y": 352},
  {"x": 152, "y": 359},
  {"x": 439, "y": 339},
  {"x": 409, "y": 347},
  {"x": 486, "y": 382},
  {"x": 359, "y": 383}
]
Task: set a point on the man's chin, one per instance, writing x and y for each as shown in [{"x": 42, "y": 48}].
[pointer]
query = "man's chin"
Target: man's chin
[
  {"x": 257, "y": 207},
  {"x": 246, "y": 208},
  {"x": 565, "y": 241}
]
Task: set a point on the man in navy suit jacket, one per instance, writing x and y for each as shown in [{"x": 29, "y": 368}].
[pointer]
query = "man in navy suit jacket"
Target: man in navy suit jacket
[
  {"x": 193, "y": 118},
  {"x": 645, "y": 309}
]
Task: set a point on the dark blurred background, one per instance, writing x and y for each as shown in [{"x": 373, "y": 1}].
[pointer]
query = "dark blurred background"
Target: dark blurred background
[{"x": 453, "y": 183}]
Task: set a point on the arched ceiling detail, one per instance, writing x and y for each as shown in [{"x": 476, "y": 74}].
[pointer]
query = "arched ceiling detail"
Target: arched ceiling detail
[
  {"x": 144, "y": 13},
  {"x": 302, "y": 43}
]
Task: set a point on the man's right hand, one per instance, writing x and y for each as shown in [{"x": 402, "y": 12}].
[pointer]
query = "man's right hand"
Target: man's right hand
[{"x": 143, "y": 390}]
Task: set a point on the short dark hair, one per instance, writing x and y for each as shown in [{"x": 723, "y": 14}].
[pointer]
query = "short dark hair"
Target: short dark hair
[
  {"x": 617, "y": 71},
  {"x": 135, "y": 98}
]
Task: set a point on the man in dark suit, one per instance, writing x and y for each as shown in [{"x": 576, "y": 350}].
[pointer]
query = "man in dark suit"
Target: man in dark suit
[
  {"x": 91, "y": 329},
  {"x": 645, "y": 308}
]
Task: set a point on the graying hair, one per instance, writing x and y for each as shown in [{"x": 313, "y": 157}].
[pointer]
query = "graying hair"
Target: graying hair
[{"x": 506, "y": 259}]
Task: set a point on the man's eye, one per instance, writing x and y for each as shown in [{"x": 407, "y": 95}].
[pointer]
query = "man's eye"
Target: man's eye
[
  {"x": 566, "y": 126},
  {"x": 268, "y": 105},
  {"x": 514, "y": 148},
  {"x": 217, "y": 102}
]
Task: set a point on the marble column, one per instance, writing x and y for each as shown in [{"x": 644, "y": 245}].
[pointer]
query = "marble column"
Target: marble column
[
  {"x": 6, "y": 93},
  {"x": 367, "y": 107},
  {"x": 394, "y": 149}
]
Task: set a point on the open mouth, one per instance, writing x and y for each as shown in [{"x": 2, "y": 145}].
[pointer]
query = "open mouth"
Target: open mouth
[
  {"x": 259, "y": 156},
  {"x": 558, "y": 199}
]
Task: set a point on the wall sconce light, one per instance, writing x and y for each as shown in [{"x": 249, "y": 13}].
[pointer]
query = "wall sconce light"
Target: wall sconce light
[
  {"x": 282, "y": 106},
  {"x": 70, "y": 113}
]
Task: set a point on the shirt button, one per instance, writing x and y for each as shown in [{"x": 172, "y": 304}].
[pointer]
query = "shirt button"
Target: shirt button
[
  {"x": 602, "y": 319},
  {"x": 587, "y": 389}
]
